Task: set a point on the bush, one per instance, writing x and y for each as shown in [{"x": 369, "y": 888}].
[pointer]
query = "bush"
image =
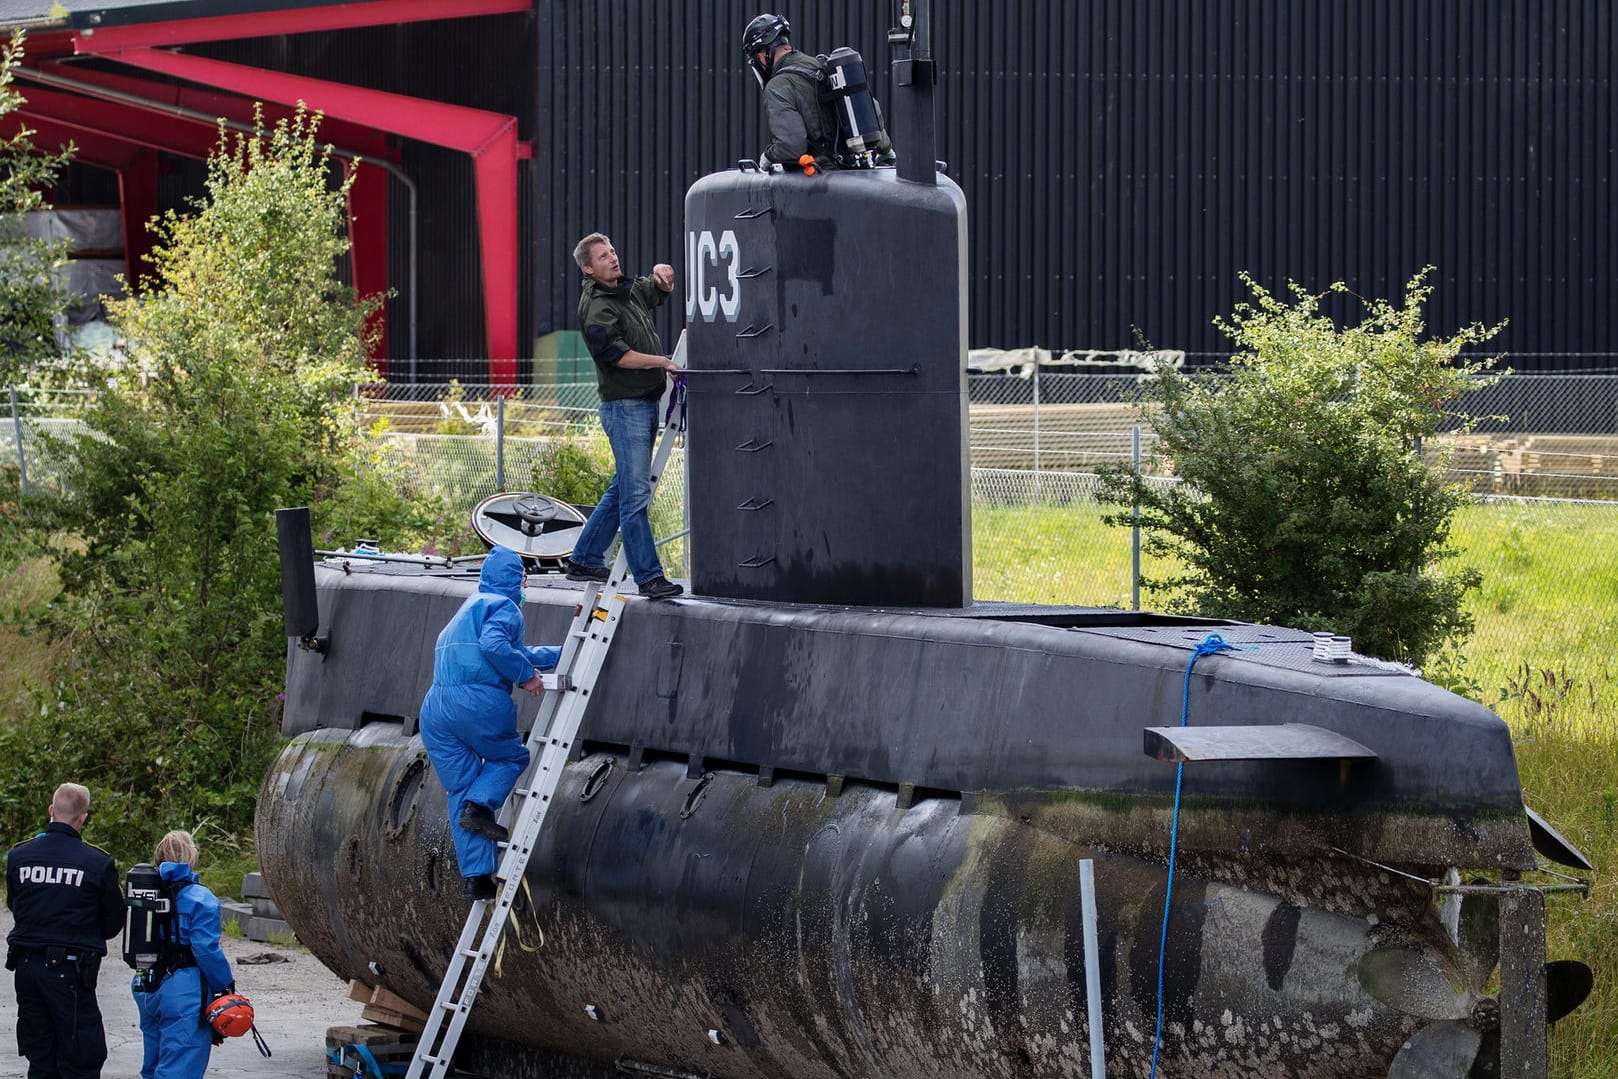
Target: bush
[
  {"x": 1302, "y": 497},
  {"x": 168, "y": 632},
  {"x": 574, "y": 468},
  {"x": 370, "y": 494}
]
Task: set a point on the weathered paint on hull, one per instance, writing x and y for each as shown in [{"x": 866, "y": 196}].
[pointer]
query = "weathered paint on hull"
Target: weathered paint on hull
[{"x": 823, "y": 936}]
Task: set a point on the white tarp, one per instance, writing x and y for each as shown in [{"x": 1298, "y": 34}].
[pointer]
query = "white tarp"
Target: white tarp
[
  {"x": 1022, "y": 361},
  {"x": 90, "y": 228}
]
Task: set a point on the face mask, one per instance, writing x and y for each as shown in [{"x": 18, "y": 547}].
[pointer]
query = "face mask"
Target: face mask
[{"x": 522, "y": 597}]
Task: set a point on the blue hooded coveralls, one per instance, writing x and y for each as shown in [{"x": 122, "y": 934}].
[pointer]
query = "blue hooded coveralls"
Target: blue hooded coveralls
[
  {"x": 468, "y": 719},
  {"x": 177, "y": 1039}
]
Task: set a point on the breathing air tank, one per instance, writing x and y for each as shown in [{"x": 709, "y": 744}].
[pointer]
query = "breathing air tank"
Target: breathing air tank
[
  {"x": 143, "y": 893},
  {"x": 859, "y": 129}
]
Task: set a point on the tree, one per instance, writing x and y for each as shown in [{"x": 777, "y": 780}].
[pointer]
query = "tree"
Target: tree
[
  {"x": 1302, "y": 496},
  {"x": 238, "y": 399},
  {"x": 31, "y": 296}
]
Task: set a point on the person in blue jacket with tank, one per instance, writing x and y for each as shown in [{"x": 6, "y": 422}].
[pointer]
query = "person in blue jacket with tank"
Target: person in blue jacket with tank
[
  {"x": 177, "y": 1038},
  {"x": 469, "y": 720}
]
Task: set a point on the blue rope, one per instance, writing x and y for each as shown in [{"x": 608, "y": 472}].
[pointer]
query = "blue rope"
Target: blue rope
[
  {"x": 363, "y": 1060},
  {"x": 1212, "y": 643}
]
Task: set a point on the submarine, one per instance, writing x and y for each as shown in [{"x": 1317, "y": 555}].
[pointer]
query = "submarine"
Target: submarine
[{"x": 825, "y": 814}]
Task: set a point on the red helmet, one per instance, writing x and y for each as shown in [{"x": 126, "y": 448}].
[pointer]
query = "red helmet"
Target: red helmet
[{"x": 230, "y": 1014}]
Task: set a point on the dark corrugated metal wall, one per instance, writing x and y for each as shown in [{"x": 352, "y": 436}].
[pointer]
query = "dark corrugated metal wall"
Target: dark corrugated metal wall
[
  {"x": 641, "y": 98},
  {"x": 1124, "y": 160},
  {"x": 1358, "y": 141}
]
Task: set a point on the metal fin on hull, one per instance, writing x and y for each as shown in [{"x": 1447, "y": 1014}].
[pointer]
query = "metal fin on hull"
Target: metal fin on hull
[
  {"x": 1549, "y": 842},
  {"x": 1268, "y": 741}
]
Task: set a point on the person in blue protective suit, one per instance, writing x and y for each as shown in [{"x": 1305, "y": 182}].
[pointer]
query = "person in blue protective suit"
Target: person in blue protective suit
[
  {"x": 193, "y": 971},
  {"x": 468, "y": 719}
]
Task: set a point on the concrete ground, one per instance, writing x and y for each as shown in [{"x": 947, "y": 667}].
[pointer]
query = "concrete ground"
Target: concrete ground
[{"x": 294, "y": 1000}]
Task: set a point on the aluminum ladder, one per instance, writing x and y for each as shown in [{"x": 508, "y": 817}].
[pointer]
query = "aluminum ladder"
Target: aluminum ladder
[{"x": 584, "y": 652}]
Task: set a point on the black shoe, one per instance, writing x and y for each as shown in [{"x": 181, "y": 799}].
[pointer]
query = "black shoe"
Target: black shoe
[
  {"x": 480, "y": 888},
  {"x": 660, "y": 588},
  {"x": 477, "y": 819},
  {"x": 576, "y": 572}
]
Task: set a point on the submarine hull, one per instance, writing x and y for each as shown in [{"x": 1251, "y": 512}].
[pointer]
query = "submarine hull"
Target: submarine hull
[
  {"x": 711, "y": 924},
  {"x": 826, "y": 813}
]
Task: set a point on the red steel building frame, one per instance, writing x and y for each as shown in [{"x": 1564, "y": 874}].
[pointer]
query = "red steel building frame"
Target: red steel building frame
[{"x": 123, "y": 136}]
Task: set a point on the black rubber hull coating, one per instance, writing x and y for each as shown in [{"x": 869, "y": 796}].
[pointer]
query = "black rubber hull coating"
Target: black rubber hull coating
[{"x": 711, "y": 925}]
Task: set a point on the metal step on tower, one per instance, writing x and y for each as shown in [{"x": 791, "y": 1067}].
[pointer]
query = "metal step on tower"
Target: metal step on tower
[{"x": 584, "y": 652}]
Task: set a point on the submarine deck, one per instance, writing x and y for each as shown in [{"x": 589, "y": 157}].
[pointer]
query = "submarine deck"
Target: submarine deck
[{"x": 1010, "y": 702}]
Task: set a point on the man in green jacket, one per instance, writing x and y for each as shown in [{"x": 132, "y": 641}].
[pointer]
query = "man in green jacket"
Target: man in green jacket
[{"x": 615, "y": 317}]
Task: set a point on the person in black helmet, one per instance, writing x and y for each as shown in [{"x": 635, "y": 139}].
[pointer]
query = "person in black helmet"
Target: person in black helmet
[
  {"x": 799, "y": 121},
  {"x": 65, "y": 896}
]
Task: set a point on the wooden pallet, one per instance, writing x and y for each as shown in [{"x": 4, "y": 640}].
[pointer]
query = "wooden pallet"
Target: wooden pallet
[
  {"x": 384, "y": 1006},
  {"x": 390, "y": 1048}
]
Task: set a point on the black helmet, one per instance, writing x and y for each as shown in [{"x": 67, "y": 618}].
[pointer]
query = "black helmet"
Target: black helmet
[{"x": 765, "y": 32}]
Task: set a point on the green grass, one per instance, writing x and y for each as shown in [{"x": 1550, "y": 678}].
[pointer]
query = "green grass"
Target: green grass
[
  {"x": 1542, "y": 656},
  {"x": 1051, "y": 554},
  {"x": 1550, "y": 588},
  {"x": 25, "y": 657},
  {"x": 225, "y": 860},
  {"x": 282, "y": 938}
]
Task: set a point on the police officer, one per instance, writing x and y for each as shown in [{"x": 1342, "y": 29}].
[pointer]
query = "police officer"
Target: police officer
[{"x": 65, "y": 896}]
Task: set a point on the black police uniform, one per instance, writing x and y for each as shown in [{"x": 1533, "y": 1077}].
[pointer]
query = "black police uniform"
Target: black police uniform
[{"x": 65, "y": 896}]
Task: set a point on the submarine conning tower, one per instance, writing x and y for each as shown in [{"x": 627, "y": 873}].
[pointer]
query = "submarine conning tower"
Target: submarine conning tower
[{"x": 826, "y": 342}]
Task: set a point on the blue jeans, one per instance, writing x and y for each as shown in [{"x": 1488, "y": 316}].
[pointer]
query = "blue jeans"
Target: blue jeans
[{"x": 631, "y": 427}]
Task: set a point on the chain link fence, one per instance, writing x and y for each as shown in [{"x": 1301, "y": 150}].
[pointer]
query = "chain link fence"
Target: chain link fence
[
  {"x": 1038, "y": 437},
  {"x": 32, "y": 417}
]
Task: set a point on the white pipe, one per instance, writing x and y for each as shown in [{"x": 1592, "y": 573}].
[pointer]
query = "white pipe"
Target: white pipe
[{"x": 1092, "y": 968}]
